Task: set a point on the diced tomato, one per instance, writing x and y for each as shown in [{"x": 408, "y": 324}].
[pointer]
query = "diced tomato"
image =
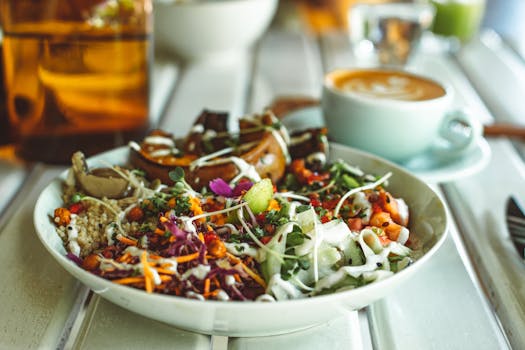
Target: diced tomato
[
  {"x": 376, "y": 208},
  {"x": 260, "y": 217},
  {"x": 316, "y": 177},
  {"x": 269, "y": 228},
  {"x": 330, "y": 203},
  {"x": 265, "y": 239},
  {"x": 315, "y": 202},
  {"x": 299, "y": 169},
  {"x": 355, "y": 224},
  {"x": 384, "y": 239},
  {"x": 209, "y": 236},
  {"x": 325, "y": 219},
  {"x": 76, "y": 208}
]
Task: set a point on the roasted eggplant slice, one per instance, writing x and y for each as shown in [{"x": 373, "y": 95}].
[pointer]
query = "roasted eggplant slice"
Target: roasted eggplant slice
[{"x": 263, "y": 149}]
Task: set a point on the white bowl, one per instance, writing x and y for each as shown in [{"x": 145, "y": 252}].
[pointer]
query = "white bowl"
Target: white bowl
[
  {"x": 235, "y": 318},
  {"x": 210, "y": 29}
]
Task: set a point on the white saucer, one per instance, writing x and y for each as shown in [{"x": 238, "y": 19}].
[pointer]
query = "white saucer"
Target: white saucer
[{"x": 425, "y": 166}]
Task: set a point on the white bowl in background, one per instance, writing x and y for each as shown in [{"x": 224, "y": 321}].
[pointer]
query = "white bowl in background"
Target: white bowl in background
[
  {"x": 428, "y": 225},
  {"x": 209, "y": 29}
]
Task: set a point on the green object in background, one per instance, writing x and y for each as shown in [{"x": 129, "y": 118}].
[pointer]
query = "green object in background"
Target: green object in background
[{"x": 458, "y": 18}]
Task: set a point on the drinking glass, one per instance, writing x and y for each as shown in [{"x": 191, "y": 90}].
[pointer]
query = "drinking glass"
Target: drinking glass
[
  {"x": 458, "y": 19},
  {"x": 388, "y": 34},
  {"x": 77, "y": 74}
]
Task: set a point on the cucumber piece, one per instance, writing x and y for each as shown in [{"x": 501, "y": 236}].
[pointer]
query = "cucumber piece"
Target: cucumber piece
[{"x": 259, "y": 196}]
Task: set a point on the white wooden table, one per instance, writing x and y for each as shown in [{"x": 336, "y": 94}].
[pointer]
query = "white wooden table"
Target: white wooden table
[{"x": 470, "y": 296}]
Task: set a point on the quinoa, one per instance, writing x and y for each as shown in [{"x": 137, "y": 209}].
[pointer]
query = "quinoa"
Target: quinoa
[{"x": 94, "y": 224}]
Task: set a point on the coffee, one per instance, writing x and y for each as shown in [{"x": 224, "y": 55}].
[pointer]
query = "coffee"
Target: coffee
[
  {"x": 395, "y": 114},
  {"x": 385, "y": 84}
]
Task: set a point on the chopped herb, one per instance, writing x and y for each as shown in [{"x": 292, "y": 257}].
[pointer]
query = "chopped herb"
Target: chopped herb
[
  {"x": 302, "y": 208},
  {"x": 139, "y": 172},
  {"x": 176, "y": 174},
  {"x": 296, "y": 237}
]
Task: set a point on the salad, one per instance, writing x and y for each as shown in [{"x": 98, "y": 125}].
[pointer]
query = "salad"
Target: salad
[{"x": 323, "y": 227}]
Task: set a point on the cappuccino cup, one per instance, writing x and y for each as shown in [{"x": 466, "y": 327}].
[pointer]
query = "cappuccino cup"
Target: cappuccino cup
[{"x": 395, "y": 114}]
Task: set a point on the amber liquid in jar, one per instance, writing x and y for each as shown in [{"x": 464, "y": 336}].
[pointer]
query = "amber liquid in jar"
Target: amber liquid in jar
[{"x": 71, "y": 86}]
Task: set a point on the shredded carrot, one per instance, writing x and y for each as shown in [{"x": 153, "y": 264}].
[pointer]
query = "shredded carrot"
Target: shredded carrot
[
  {"x": 254, "y": 275},
  {"x": 249, "y": 271},
  {"x": 126, "y": 240},
  {"x": 237, "y": 277},
  {"x": 214, "y": 292},
  {"x": 164, "y": 271},
  {"x": 159, "y": 232},
  {"x": 129, "y": 280},
  {"x": 148, "y": 275},
  {"x": 206, "y": 286},
  {"x": 233, "y": 258},
  {"x": 196, "y": 207},
  {"x": 124, "y": 258},
  {"x": 186, "y": 258},
  {"x": 201, "y": 237},
  {"x": 165, "y": 278},
  {"x": 163, "y": 219},
  {"x": 216, "y": 282}
]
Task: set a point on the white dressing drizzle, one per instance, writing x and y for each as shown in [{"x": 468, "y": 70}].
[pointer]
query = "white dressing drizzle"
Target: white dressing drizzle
[
  {"x": 241, "y": 249},
  {"x": 369, "y": 186},
  {"x": 200, "y": 272},
  {"x": 316, "y": 157},
  {"x": 110, "y": 231},
  {"x": 72, "y": 236},
  {"x": 283, "y": 145},
  {"x": 300, "y": 139},
  {"x": 159, "y": 140}
]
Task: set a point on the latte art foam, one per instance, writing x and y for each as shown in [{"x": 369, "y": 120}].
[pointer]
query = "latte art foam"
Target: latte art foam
[
  {"x": 392, "y": 85},
  {"x": 395, "y": 88}
]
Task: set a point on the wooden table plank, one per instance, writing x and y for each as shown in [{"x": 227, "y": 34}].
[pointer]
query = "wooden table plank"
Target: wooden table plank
[
  {"x": 287, "y": 63},
  {"x": 36, "y": 294},
  {"x": 342, "y": 333},
  {"x": 480, "y": 201},
  {"x": 439, "y": 308},
  {"x": 219, "y": 86},
  {"x": 479, "y": 205},
  {"x": 112, "y": 327},
  {"x": 12, "y": 176}
]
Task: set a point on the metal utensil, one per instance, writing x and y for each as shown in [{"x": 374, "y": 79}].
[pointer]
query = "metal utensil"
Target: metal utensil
[{"x": 516, "y": 224}]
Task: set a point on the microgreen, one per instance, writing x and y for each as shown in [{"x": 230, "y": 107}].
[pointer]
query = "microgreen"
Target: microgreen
[{"x": 176, "y": 174}]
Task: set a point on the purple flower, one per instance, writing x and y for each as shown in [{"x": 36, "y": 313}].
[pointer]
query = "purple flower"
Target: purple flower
[
  {"x": 222, "y": 188},
  {"x": 241, "y": 187}
]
